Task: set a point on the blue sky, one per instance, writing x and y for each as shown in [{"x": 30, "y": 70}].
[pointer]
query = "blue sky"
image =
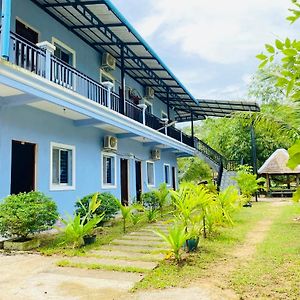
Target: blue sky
[{"x": 210, "y": 45}]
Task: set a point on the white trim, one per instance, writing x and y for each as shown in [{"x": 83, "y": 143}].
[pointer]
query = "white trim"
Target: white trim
[
  {"x": 168, "y": 183},
  {"x": 148, "y": 103},
  {"x": 62, "y": 187},
  {"x": 109, "y": 186},
  {"x": 63, "y": 45},
  {"x": 147, "y": 181},
  {"x": 164, "y": 113},
  {"x": 29, "y": 26},
  {"x": 108, "y": 75}
]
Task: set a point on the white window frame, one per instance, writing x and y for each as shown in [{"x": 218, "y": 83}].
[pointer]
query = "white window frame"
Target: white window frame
[
  {"x": 148, "y": 103},
  {"x": 63, "y": 187},
  {"x": 69, "y": 49},
  {"x": 105, "y": 185},
  {"x": 153, "y": 163},
  {"x": 108, "y": 75},
  {"x": 167, "y": 165}
]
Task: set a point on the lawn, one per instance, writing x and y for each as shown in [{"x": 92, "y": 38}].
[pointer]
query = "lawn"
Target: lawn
[
  {"x": 168, "y": 274},
  {"x": 274, "y": 273}
]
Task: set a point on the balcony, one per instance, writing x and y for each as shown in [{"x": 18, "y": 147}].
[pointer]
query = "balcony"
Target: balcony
[{"x": 34, "y": 59}]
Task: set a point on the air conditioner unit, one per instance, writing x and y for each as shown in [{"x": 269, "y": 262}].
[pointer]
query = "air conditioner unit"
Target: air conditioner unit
[
  {"x": 155, "y": 154},
  {"x": 108, "y": 62},
  {"x": 149, "y": 94},
  {"x": 111, "y": 143}
]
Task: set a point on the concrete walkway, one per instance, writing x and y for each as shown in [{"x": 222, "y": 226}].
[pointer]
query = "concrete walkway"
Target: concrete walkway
[{"x": 105, "y": 273}]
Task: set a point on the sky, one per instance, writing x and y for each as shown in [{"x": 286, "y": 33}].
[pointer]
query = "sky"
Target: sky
[{"x": 210, "y": 45}]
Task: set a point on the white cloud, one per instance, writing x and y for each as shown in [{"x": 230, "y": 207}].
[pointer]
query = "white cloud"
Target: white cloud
[{"x": 225, "y": 32}]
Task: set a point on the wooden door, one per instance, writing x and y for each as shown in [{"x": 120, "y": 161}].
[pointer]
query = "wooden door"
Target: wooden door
[
  {"x": 124, "y": 181},
  {"x": 138, "y": 180}
]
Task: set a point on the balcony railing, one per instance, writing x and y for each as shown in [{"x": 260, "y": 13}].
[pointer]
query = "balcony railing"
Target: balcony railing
[{"x": 29, "y": 56}]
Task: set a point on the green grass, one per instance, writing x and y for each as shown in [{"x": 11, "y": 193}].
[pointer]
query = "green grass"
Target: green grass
[
  {"x": 169, "y": 274},
  {"x": 96, "y": 266},
  {"x": 274, "y": 273}
]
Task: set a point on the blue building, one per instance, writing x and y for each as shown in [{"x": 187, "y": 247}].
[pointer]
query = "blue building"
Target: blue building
[{"x": 85, "y": 104}]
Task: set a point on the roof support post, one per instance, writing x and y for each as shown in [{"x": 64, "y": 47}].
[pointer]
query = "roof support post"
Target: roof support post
[
  {"x": 122, "y": 96},
  {"x": 192, "y": 125},
  {"x": 253, "y": 148},
  {"x": 168, "y": 104},
  {"x": 5, "y": 30}
]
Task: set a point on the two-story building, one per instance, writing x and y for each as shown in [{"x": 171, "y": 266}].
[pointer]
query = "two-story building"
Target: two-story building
[{"x": 85, "y": 104}]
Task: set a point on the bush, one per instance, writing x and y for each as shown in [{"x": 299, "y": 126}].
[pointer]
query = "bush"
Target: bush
[
  {"x": 150, "y": 200},
  {"x": 108, "y": 206},
  {"x": 26, "y": 213}
]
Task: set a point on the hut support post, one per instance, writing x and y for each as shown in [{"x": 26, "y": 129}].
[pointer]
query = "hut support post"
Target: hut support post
[{"x": 268, "y": 183}]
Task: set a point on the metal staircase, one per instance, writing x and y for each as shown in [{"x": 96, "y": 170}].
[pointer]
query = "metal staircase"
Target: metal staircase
[{"x": 225, "y": 168}]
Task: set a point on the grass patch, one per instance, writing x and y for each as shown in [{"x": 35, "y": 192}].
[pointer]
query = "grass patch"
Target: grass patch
[
  {"x": 169, "y": 274},
  {"x": 96, "y": 266},
  {"x": 274, "y": 273}
]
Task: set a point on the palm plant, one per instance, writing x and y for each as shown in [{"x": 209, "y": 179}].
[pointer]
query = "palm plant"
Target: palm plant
[
  {"x": 162, "y": 194},
  {"x": 229, "y": 201},
  {"x": 152, "y": 215},
  {"x": 176, "y": 238}
]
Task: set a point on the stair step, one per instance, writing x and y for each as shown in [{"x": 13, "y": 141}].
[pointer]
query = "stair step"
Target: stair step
[
  {"x": 130, "y": 248},
  {"x": 125, "y": 242}
]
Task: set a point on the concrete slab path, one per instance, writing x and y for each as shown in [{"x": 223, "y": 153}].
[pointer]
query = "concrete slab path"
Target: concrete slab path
[{"x": 106, "y": 273}]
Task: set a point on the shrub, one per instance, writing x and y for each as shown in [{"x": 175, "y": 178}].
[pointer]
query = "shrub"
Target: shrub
[
  {"x": 108, "y": 206},
  {"x": 26, "y": 213},
  {"x": 150, "y": 200}
]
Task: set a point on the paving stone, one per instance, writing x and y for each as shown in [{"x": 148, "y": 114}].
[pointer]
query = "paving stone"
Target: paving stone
[
  {"x": 114, "y": 262},
  {"x": 158, "y": 244},
  {"x": 153, "y": 238},
  {"x": 130, "y": 248},
  {"x": 128, "y": 255}
]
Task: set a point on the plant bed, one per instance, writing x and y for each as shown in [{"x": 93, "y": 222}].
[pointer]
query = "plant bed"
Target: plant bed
[{"x": 21, "y": 244}]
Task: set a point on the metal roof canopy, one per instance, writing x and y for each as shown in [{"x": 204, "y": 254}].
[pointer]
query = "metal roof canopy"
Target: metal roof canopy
[
  {"x": 218, "y": 108},
  {"x": 103, "y": 27}
]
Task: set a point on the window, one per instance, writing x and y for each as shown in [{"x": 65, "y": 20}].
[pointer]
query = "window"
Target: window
[
  {"x": 105, "y": 76},
  {"x": 27, "y": 32},
  {"x": 150, "y": 173},
  {"x": 109, "y": 170},
  {"x": 63, "y": 52},
  {"x": 62, "y": 167},
  {"x": 167, "y": 174}
]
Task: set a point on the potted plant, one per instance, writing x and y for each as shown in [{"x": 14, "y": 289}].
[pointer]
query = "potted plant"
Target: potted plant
[
  {"x": 89, "y": 217},
  {"x": 24, "y": 214}
]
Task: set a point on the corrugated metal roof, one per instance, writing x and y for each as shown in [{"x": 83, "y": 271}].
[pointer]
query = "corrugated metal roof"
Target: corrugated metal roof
[
  {"x": 102, "y": 26},
  {"x": 219, "y": 108}
]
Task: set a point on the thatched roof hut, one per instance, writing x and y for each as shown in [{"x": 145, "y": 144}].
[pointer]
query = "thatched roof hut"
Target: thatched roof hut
[{"x": 276, "y": 164}]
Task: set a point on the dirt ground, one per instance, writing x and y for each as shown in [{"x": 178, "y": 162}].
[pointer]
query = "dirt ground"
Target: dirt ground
[{"x": 34, "y": 277}]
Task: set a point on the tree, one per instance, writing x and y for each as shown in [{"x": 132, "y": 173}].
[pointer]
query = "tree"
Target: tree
[
  {"x": 263, "y": 86},
  {"x": 287, "y": 51},
  {"x": 193, "y": 169}
]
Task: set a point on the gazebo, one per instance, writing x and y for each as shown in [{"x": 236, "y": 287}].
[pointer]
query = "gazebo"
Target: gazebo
[{"x": 276, "y": 165}]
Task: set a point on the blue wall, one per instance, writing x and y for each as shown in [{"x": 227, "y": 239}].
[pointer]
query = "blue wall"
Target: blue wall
[
  {"x": 88, "y": 60},
  {"x": 39, "y": 127}
]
